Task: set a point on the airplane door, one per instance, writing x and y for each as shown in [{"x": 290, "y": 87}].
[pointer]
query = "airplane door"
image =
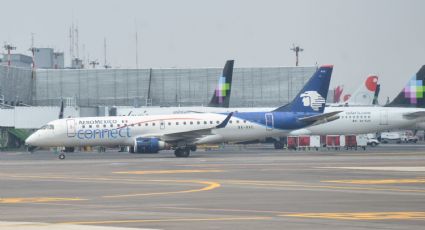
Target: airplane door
[
  {"x": 162, "y": 124},
  {"x": 269, "y": 121},
  {"x": 71, "y": 128},
  {"x": 383, "y": 118}
]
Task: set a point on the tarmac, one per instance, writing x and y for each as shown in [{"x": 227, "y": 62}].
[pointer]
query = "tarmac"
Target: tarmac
[{"x": 254, "y": 187}]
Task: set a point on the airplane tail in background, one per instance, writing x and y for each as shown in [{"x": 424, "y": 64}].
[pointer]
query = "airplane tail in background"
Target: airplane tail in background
[
  {"x": 375, "y": 97},
  {"x": 221, "y": 96},
  {"x": 413, "y": 94},
  {"x": 312, "y": 97},
  {"x": 365, "y": 94}
]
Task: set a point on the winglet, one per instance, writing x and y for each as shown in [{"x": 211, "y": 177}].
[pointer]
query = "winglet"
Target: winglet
[{"x": 224, "y": 123}]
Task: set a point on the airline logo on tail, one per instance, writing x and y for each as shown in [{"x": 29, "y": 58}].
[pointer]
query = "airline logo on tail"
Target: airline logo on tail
[
  {"x": 222, "y": 89},
  {"x": 414, "y": 90},
  {"x": 313, "y": 99}
]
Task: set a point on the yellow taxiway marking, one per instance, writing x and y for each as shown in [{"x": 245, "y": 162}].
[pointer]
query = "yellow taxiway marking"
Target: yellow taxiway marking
[
  {"x": 224, "y": 210},
  {"x": 378, "y": 181},
  {"x": 362, "y": 215},
  {"x": 383, "y": 168},
  {"x": 15, "y": 200},
  {"x": 295, "y": 185},
  {"x": 168, "y": 171},
  {"x": 171, "y": 220},
  {"x": 210, "y": 185}
]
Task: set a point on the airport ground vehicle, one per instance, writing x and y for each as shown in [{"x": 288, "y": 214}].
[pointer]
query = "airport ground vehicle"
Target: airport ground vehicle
[{"x": 398, "y": 137}]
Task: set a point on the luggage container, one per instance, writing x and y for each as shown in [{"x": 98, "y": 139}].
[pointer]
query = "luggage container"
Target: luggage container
[
  {"x": 315, "y": 142},
  {"x": 351, "y": 142},
  {"x": 335, "y": 141},
  {"x": 292, "y": 142},
  {"x": 362, "y": 141},
  {"x": 304, "y": 142}
]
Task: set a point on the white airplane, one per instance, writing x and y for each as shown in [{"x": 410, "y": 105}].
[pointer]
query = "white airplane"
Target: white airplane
[
  {"x": 407, "y": 111},
  {"x": 182, "y": 132},
  {"x": 363, "y": 95}
]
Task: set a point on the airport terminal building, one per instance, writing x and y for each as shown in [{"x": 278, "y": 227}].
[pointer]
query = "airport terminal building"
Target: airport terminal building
[{"x": 252, "y": 87}]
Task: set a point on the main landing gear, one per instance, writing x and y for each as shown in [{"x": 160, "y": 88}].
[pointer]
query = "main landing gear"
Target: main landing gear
[{"x": 182, "y": 152}]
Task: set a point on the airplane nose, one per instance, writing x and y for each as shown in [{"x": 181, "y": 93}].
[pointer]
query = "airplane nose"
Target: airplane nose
[{"x": 31, "y": 140}]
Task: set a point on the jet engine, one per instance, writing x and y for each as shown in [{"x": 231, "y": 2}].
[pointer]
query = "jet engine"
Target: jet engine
[{"x": 148, "y": 145}]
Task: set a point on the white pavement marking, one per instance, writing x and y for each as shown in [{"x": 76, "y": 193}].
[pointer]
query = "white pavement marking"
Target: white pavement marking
[
  {"x": 384, "y": 168},
  {"x": 46, "y": 226}
]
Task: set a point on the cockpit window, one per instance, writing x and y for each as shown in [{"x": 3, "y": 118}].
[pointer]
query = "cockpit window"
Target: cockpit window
[{"x": 48, "y": 127}]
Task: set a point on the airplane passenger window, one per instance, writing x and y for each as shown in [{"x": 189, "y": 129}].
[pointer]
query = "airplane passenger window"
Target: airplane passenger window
[
  {"x": 244, "y": 121},
  {"x": 132, "y": 125},
  {"x": 140, "y": 124},
  {"x": 211, "y": 122},
  {"x": 184, "y": 122},
  {"x": 217, "y": 122},
  {"x": 169, "y": 123},
  {"x": 237, "y": 121},
  {"x": 205, "y": 122},
  {"x": 191, "y": 122},
  {"x": 104, "y": 126},
  {"x": 177, "y": 123},
  {"x": 83, "y": 126},
  {"x": 90, "y": 126},
  {"x": 230, "y": 121},
  {"x": 198, "y": 122},
  {"x": 97, "y": 126},
  {"x": 112, "y": 125}
]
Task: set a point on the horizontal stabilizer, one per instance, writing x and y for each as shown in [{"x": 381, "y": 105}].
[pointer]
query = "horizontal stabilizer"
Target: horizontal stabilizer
[
  {"x": 414, "y": 115},
  {"x": 321, "y": 118}
]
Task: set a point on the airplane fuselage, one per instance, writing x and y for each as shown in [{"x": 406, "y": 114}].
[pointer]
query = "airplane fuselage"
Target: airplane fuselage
[
  {"x": 112, "y": 131},
  {"x": 361, "y": 120}
]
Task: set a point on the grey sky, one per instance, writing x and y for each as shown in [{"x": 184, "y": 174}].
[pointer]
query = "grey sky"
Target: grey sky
[{"x": 359, "y": 37}]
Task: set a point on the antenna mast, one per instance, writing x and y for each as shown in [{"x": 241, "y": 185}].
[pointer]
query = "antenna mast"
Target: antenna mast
[{"x": 297, "y": 49}]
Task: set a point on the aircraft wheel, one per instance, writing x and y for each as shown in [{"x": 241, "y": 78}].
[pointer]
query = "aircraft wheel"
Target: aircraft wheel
[
  {"x": 278, "y": 145},
  {"x": 182, "y": 152},
  {"x": 61, "y": 156}
]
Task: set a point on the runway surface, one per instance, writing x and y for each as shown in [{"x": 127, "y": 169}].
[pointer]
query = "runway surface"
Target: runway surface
[{"x": 255, "y": 187}]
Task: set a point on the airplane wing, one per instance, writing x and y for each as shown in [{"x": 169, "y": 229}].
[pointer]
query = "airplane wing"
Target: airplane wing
[
  {"x": 414, "y": 115},
  {"x": 321, "y": 118},
  {"x": 192, "y": 134}
]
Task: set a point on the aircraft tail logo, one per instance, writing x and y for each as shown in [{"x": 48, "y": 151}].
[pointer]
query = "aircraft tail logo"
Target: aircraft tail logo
[
  {"x": 413, "y": 94},
  {"x": 313, "y": 99},
  {"x": 221, "y": 95}
]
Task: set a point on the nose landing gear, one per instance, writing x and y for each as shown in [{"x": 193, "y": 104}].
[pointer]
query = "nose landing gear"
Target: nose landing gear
[{"x": 66, "y": 150}]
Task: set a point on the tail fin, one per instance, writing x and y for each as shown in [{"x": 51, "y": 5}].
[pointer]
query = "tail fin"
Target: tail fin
[
  {"x": 375, "y": 97},
  {"x": 365, "y": 94},
  {"x": 412, "y": 94},
  {"x": 221, "y": 96},
  {"x": 312, "y": 97}
]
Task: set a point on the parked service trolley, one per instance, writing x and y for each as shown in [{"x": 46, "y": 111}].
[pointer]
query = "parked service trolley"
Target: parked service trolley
[
  {"x": 361, "y": 141},
  {"x": 303, "y": 142},
  {"x": 292, "y": 142},
  {"x": 315, "y": 142},
  {"x": 350, "y": 142},
  {"x": 335, "y": 141}
]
